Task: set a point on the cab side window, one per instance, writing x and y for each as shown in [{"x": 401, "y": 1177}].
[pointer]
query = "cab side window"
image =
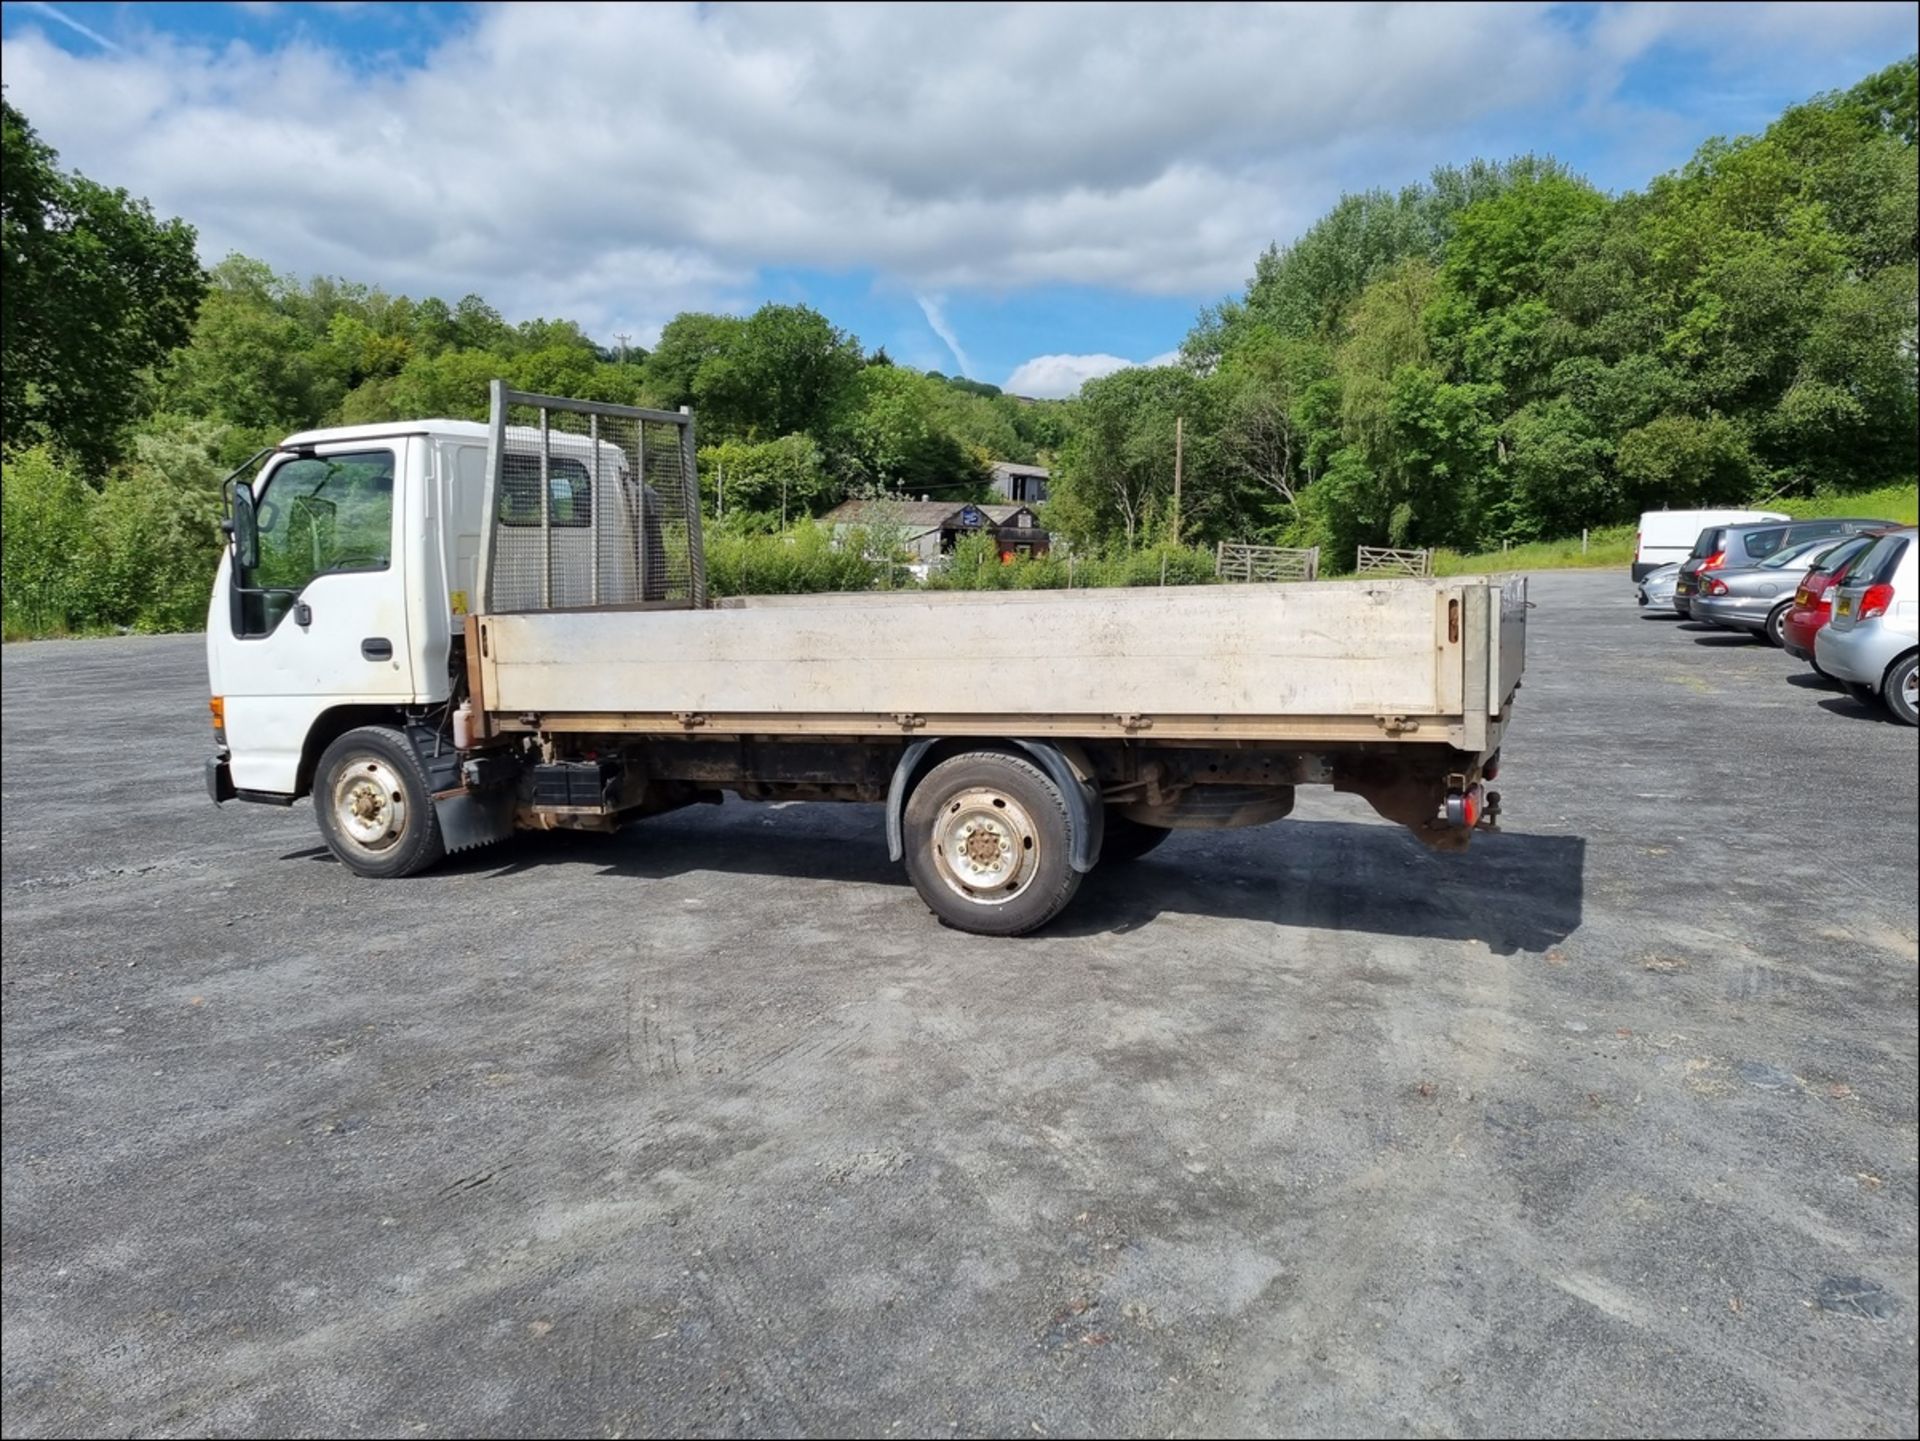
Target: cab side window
[{"x": 318, "y": 515}]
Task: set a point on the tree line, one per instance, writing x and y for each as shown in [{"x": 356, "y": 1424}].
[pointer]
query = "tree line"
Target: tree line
[
  {"x": 1500, "y": 354},
  {"x": 1505, "y": 353}
]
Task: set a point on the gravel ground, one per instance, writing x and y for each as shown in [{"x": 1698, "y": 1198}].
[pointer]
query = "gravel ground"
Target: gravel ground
[{"x": 1604, "y": 1127}]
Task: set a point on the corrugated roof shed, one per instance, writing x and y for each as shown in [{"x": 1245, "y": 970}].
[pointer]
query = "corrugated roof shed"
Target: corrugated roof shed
[{"x": 915, "y": 514}]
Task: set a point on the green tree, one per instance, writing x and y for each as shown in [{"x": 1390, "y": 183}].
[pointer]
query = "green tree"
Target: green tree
[
  {"x": 250, "y": 364},
  {"x": 892, "y": 431},
  {"x": 687, "y": 342},
  {"x": 782, "y": 371},
  {"x": 1114, "y": 478},
  {"x": 766, "y": 486},
  {"x": 97, "y": 290}
]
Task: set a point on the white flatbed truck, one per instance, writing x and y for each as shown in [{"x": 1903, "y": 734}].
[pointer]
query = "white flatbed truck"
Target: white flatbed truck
[{"x": 447, "y": 631}]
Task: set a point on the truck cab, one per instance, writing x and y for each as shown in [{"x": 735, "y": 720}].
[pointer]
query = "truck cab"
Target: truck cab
[{"x": 346, "y": 609}]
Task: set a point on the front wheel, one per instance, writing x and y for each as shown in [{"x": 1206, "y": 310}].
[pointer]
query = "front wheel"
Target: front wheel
[
  {"x": 375, "y": 810},
  {"x": 1902, "y": 690},
  {"x": 1777, "y": 625},
  {"x": 987, "y": 841}
]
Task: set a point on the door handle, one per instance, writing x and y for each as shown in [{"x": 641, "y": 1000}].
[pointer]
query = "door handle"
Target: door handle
[{"x": 376, "y": 647}]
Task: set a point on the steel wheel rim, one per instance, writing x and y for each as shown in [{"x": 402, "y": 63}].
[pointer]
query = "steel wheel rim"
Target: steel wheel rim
[
  {"x": 1910, "y": 689},
  {"x": 985, "y": 846},
  {"x": 370, "y": 805}
]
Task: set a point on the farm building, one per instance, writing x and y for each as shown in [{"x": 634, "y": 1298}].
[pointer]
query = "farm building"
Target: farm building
[
  {"x": 1020, "y": 484},
  {"x": 930, "y": 529}
]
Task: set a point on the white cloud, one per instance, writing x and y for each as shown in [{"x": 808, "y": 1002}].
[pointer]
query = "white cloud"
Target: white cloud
[
  {"x": 1053, "y": 377},
  {"x": 618, "y": 163},
  {"x": 937, "y": 323}
]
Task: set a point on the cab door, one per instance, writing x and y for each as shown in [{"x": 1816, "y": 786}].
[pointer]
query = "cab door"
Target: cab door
[{"x": 320, "y": 620}]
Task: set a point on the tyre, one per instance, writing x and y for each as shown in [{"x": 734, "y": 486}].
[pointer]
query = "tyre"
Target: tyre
[
  {"x": 1776, "y": 629},
  {"x": 375, "y": 811},
  {"x": 1128, "y": 840},
  {"x": 1901, "y": 690},
  {"x": 987, "y": 840}
]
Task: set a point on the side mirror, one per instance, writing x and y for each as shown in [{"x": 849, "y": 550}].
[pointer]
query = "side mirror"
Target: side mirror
[{"x": 244, "y": 526}]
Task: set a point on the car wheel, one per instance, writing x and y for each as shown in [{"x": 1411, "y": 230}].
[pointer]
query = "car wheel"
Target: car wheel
[
  {"x": 988, "y": 836},
  {"x": 1776, "y": 628},
  {"x": 1128, "y": 840},
  {"x": 374, "y": 805},
  {"x": 1902, "y": 690}
]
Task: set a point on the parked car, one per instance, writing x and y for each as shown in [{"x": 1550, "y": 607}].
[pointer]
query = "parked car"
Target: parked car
[
  {"x": 1733, "y": 547},
  {"x": 1666, "y": 537},
  {"x": 1656, "y": 586},
  {"x": 1872, "y": 643},
  {"x": 1813, "y": 602},
  {"x": 1756, "y": 598}
]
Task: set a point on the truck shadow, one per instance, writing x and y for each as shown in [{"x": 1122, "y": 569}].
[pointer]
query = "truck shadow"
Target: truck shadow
[{"x": 1514, "y": 892}]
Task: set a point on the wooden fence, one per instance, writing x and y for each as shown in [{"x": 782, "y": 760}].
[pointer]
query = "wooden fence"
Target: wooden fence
[
  {"x": 1265, "y": 562},
  {"x": 1374, "y": 560}
]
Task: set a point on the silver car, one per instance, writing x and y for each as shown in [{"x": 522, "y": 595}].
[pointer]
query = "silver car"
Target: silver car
[
  {"x": 1872, "y": 643},
  {"x": 1655, "y": 588},
  {"x": 1757, "y": 598}
]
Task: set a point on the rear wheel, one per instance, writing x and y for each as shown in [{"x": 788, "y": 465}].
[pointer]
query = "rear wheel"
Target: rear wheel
[
  {"x": 987, "y": 842},
  {"x": 375, "y": 810},
  {"x": 1776, "y": 630},
  {"x": 1128, "y": 840},
  {"x": 1902, "y": 690}
]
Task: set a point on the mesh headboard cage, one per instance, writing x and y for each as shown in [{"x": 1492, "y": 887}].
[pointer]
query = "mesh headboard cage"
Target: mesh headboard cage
[{"x": 589, "y": 505}]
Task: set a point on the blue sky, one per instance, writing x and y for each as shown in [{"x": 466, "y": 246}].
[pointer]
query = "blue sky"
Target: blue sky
[{"x": 1027, "y": 195}]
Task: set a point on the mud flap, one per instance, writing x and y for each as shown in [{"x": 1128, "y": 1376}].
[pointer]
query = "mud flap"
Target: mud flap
[{"x": 474, "y": 818}]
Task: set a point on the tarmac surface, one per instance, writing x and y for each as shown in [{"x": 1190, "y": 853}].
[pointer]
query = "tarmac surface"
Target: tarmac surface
[{"x": 1606, "y": 1126}]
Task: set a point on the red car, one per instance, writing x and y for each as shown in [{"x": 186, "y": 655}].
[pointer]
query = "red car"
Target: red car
[{"x": 1813, "y": 602}]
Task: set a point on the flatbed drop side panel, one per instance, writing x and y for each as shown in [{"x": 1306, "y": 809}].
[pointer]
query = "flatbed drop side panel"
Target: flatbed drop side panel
[{"x": 1346, "y": 661}]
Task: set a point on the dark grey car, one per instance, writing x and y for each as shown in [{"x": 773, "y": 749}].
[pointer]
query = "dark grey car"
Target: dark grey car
[
  {"x": 1755, "y": 598},
  {"x": 1736, "y": 547}
]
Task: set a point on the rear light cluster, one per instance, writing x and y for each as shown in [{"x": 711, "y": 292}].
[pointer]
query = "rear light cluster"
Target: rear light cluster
[
  {"x": 1714, "y": 561},
  {"x": 1875, "y": 600},
  {"x": 1716, "y": 587}
]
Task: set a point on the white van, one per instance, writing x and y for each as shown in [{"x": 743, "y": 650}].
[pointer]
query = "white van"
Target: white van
[{"x": 1667, "y": 536}]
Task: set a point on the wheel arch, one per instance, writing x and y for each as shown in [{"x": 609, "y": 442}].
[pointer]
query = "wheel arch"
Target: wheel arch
[
  {"x": 1064, "y": 765},
  {"x": 1887, "y": 674},
  {"x": 329, "y": 726}
]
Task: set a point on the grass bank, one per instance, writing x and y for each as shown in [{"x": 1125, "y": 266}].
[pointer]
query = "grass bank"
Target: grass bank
[{"x": 1612, "y": 546}]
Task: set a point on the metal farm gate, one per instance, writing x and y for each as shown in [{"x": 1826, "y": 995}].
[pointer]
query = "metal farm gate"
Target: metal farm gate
[
  {"x": 1378, "y": 560},
  {"x": 1265, "y": 562},
  {"x": 589, "y": 506}
]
